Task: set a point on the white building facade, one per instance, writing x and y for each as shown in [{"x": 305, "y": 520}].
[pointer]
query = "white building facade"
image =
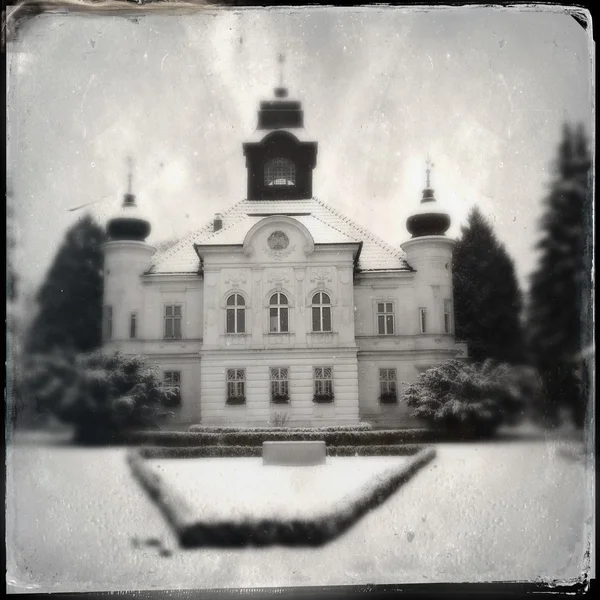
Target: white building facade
[{"x": 282, "y": 305}]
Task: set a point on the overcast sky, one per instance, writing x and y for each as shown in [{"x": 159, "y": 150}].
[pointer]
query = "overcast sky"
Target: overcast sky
[{"x": 484, "y": 91}]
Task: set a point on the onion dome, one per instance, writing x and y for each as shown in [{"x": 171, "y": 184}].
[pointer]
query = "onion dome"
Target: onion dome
[
  {"x": 429, "y": 218},
  {"x": 128, "y": 224},
  {"x": 280, "y": 113}
]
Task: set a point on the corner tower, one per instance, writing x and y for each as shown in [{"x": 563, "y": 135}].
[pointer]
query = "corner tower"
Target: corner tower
[
  {"x": 279, "y": 157},
  {"x": 126, "y": 257},
  {"x": 429, "y": 252}
]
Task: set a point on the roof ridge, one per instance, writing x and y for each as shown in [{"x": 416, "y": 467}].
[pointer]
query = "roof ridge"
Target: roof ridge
[
  {"x": 368, "y": 234},
  {"x": 190, "y": 236}
]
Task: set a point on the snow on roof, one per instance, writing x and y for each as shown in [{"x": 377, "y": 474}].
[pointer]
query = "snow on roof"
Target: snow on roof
[{"x": 326, "y": 224}]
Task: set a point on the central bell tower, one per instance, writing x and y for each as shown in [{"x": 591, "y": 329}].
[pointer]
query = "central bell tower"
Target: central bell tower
[{"x": 280, "y": 159}]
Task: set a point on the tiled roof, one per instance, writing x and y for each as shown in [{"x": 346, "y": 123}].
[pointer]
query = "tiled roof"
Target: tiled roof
[{"x": 326, "y": 225}]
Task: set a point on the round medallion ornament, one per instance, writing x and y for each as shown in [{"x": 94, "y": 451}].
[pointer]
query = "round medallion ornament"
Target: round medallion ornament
[{"x": 278, "y": 241}]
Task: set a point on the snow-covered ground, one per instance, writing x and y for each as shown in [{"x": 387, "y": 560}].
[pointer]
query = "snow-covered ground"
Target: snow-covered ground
[
  {"x": 240, "y": 488},
  {"x": 486, "y": 512}
]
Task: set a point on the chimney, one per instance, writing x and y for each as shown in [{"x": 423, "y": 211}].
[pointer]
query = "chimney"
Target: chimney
[{"x": 218, "y": 222}]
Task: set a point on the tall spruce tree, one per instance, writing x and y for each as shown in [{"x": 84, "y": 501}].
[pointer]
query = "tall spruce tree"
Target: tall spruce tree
[
  {"x": 70, "y": 299},
  {"x": 487, "y": 298},
  {"x": 558, "y": 316}
]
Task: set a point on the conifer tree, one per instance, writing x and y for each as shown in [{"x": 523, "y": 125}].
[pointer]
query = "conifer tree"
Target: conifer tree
[
  {"x": 70, "y": 299},
  {"x": 487, "y": 298},
  {"x": 558, "y": 316}
]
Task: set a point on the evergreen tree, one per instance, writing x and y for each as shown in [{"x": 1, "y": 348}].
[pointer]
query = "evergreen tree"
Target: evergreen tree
[
  {"x": 70, "y": 299},
  {"x": 558, "y": 320},
  {"x": 487, "y": 299},
  {"x": 11, "y": 245}
]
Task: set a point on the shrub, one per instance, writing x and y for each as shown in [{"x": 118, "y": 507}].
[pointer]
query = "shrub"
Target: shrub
[
  {"x": 280, "y": 419},
  {"x": 232, "y": 429},
  {"x": 157, "y": 452},
  {"x": 101, "y": 395},
  {"x": 256, "y": 438},
  {"x": 470, "y": 399}
]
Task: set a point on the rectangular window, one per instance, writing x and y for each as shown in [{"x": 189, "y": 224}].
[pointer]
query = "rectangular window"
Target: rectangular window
[
  {"x": 107, "y": 323},
  {"x": 280, "y": 393},
  {"x": 385, "y": 318},
  {"x": 423, "y": 320},
  {"x": 133, "y": 325},
  {"x": 172, "y": 380},
  {"x": 448, "y": 316},
  {"x": 388, "y": 386},
  {"x": 172, "y": 383},
  {"x": 173, "y": 322},
  {"x": 323, "y": 382},
  {"x": 236, "y": 386}
]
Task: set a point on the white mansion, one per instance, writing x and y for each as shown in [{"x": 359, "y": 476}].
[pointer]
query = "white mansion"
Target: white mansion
[{"x": 281, "y": 304}]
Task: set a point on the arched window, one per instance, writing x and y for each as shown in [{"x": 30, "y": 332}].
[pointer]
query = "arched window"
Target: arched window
[
  {"x": 280, "y": 172},
  {"x": 236, "y": 314},
  {"x": 321, "y": 312},
  {"x": 278, "y": 313}
]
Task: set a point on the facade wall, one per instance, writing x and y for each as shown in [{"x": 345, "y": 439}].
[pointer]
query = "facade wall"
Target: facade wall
[
  {"x": 369, "y": 389},
  {"x": 355, "y": 349},
  {"x": 258, "y": 409}
]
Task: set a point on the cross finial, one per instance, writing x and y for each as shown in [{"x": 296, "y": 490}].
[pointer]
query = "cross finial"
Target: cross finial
[
  {"x": 281, "y": 60},
  {"x": 129, "y": 174},
  {"x": 428, "y": 170}
]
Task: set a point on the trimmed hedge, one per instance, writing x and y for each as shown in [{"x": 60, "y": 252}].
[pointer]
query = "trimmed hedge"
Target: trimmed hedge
[
  {"x": 389, "y": 450},
  {"x": 256, "y": 451},
  {"x": 230, "y": 429},
  {"x": 192, "y": 533},
  {"x": 201, "y": 452},
  {"x": 256, "y": 438}
]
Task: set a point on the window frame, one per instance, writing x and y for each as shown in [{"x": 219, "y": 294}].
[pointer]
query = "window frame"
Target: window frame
[
  {"x": 170, "y": 385},
  {"x": 321, "y": 307},
  {"x": 133, "y": 325},
  {"x": 279, "y": 385},
  {"x": 173, "y": 318},
  {"x": 323, "y": 391},
  {"x": 385, "y": 314},
  {"x": 423, "y": 319},
  {"x": 107, "y": 322},
  {"x": 280, "y": 309},
  {"x": 275, "y": 170},
  {"x": 388, "y": 378},
  {"x": 236, "y": 309},
  {"x": 235, "y": 381},
  {"x": 448, "y": 320}
]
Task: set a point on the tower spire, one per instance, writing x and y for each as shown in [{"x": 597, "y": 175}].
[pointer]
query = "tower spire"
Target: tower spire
[
  {"x": 129, "y": 198},
  {"x": 129, "y": 174},
  {"x": 428, "y": 170},
  {"x": 281, "y": 60},
  {"x": 281, "y": 91},
  {"x": 128, "y": 225},
  {"x": 429, "y": 218}
]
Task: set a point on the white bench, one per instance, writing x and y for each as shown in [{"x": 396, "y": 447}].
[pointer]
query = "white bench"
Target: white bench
[{"x": 294, "y": 453}]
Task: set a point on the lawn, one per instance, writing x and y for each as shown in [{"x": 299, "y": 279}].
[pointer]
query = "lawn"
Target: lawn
[
  {"x": 240, "y": 488},
  {"x": 479, "y": 512}
]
